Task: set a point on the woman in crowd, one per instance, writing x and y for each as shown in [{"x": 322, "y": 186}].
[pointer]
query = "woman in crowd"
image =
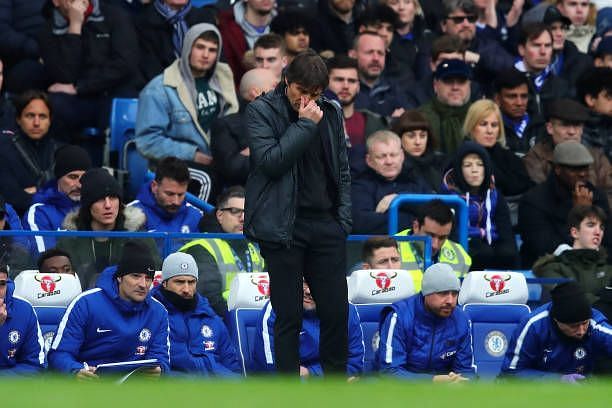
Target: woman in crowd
[{"x": 491, "y": 241}]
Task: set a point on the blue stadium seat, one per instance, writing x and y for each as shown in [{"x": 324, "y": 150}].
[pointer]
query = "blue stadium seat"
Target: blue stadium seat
[
  {"x": 370, "y": 316},
  {"x": 49, "y": 318},
  {"x": 492, "y": 328},
  {"x": 241, "y": 324}
]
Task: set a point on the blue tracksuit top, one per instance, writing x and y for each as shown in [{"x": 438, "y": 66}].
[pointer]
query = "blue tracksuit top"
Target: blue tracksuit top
[
  {"x": 22, "y": 348},
  {"x": 199, "y": 341},
  {"x": 539, "y": 350},
  {"x": 47, "y": 213},
  {"x": 100, "y": 327},
  {"x": 416, "y": 344},
  {"x": 263, "y": 349}
]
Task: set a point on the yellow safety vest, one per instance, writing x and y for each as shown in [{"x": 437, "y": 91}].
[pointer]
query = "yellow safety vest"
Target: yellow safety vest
[
  {"x": 451, "y": 253},
  {"x": 225, "y": 259}
]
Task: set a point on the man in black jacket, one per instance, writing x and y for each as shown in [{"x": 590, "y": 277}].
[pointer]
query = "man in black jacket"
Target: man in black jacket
[{"x": 298, "y": 208}]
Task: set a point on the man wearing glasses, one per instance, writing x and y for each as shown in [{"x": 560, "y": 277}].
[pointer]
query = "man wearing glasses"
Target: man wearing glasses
[
  {"x": 219, "y": 259},
  {"x": 484, "y": 54}
]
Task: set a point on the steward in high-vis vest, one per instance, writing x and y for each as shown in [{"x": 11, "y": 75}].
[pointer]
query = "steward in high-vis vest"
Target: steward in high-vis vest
[{"x": 220, "y": 259}]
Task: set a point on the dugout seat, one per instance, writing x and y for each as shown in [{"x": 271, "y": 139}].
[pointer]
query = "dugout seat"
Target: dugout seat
[
  {"x": 370, "y": 290},
  {"x": 50, "y": 294},
  {"x": 495, "y": 303}
]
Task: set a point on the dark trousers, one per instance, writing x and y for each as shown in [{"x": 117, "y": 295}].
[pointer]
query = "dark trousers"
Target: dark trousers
[{"x": 317, "y": 254}]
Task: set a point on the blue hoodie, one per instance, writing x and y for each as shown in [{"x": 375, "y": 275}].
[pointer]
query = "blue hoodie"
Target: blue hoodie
[
  {"x": 185, "y": 220},
  {"x": 539, "y": 350},
  {"x": 47, "y": 213},
  {"x": 263, "y": 349},
  {"x": 14, "y": 224},
  {"x": 199, "y": 341},
  {"x": 415, "y": 344},
  {"x": 22, "y": 348},
  {"x": 100, "y": 327}
]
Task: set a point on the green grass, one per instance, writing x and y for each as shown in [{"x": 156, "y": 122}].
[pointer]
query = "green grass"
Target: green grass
[{"x": 374, "y": 393}]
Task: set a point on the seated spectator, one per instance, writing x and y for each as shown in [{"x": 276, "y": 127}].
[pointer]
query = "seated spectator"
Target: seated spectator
[
  {"x": 117, "y": 321},
  {"x": 543, "y": 210},
  {"x": 295, "y": 28},
  {"x": 310, "y": 364},
  {"x": 26, "y": 157},
  {"x": 101, "y": 210},
  {"x": 269, "y": 52},
  {"x": 14, "y": 250},
  {"x": 20, "y": 24},
  {"x": 427, "y": 337},
  {"x": 386, "y": 177},
  {"x": 22, "y": 348},
  {"x": 380, "y": 253},
  {"x": 581, "y": 29},
  {"x": 377, "y": 92},
  {"x": 583, "y": 262},
  {"x": 603, "y": 54},
  {"x": 435, "y": 220},
  {"x": 219, "y": 260},
  {"x": 491, "y": 241},
  {"x": 55, "y": 261},
  {"x": 177, "y": 108},
  {"x": 334, "y": 27},
  {"x": 59, "y": 196},
  {"x": 161, "y": 28},
  {"x": 228, "y": 138},
  {"x": 535, "y": 46},
  {"x": 521, "y": 129},
  {"x": 199, "y": 341},
  {"x": 565, "y": 122},
  {"x": 90, "y": 53},
  {"x": 240, "y": 27},
  {"x": 483, "y": 125},
  {"x": 421, "y": 155},
  {"x": 446, "y": 111},
  {"x": 7, "y": 110},
  {"x": 594, "y": 90},
  {"x": 560, "y": 340},
  {"x": 163, "y": 199}
]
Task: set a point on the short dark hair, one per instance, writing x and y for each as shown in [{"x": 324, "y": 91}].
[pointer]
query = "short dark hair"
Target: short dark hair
[
  {"x": 593, "y": 82},
  {"x": 291, "y": 21},
  {"x": 172, "y": 168},
  {"x": 51, "y": 253},
  {"x": 308, "y": 70},
  {"x": 437, "y": 210},
  {"x": 532, "y": 30},
  {"x": 22, "y": 100},
  {"x": 413, "y": 120},
  {"x": 467, "y": 6},
  {"x": 229, "y": 193},
  {"x": 580, "y": 212},
  {"x": 270, "y": 41},
  {"x": 373, "y": 243},
  {"x": 341, "y": 61},
  {"x": 509, "y": 79},
  {"x": 446, "y": 44},
  {"x": 379, "y": 13},
  {"x": 209, "y": 35}
]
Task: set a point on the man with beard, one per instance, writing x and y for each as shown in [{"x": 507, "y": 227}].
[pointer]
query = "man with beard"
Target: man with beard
[
  {"x": 427, "y": 337},
  {"x": 377, "y": 92},
  {"x": 560, "y": 340},
  {"x": 59, "y": 197}
]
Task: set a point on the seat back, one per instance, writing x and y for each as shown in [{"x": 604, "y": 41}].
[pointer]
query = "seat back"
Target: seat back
[
  {"x": 47, "y": 289},
  {"x": 492, "y": 328},
  {"x": 379, "y": 286},
  {"x": 241, "y": 324},
  {"x": 122, "y": 123},
  {"x": 494, "y": 287},
  {"x": 249, "y": 290},
  {"x": 369, "y": 315},
  {"x": 49, "y": 318}
]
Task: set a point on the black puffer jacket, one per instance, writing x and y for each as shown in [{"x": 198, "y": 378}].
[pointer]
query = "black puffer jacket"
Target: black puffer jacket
[{"x": 276, "y": 146}]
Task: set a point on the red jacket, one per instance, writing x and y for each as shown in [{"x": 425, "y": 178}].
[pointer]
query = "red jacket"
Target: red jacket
[{"x": 234, "y": 44}]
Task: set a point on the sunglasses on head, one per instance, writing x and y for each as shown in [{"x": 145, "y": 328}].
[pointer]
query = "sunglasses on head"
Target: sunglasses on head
[{"x": 471, "y": 18}]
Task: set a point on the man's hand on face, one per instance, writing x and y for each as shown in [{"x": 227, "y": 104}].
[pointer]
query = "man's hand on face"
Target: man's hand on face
[
  {"x": 3, "y": 313},
  {"x": 310, "y": 110},
  {"x": 582, "y": 194}
]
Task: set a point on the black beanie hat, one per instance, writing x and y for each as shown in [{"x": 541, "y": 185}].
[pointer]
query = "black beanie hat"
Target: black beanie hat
[
  {"x": 71, "y": 158},
  {"x": 96, "y": 184},
  {"x": 136, "y": 258},
  {"x": 569, "y": 303}
]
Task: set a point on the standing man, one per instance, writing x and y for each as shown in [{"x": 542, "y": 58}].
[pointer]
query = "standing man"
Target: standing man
[{"x": 298, "y": 208}]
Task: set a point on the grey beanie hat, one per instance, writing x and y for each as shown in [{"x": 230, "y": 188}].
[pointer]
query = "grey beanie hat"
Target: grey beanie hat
[
  {"x": 439, "y": 277},
  {"x": 179, "y": 263}
]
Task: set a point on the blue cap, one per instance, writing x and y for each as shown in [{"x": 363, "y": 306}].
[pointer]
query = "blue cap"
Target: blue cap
[
  {"x": 453, "y": 68},
  {"x": 604, "y": 47}
]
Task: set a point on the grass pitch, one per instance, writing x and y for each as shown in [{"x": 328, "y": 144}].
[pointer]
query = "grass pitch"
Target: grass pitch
[{"x": 374, "y": 393}]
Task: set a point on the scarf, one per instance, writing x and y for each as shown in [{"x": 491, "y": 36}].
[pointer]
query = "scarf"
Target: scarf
[
  {"x": 451, "y": 123},
  {"x": 538, "y": 80},
  {"x": 60, "y": 23},
  {"x": 176, "y": 18},
  {"x": 518, "y": 127},
  {"x": 182, "y": 304}
]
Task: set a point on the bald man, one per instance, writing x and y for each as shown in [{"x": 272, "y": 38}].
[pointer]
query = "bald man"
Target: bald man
[{"x": 228, "y": 134}]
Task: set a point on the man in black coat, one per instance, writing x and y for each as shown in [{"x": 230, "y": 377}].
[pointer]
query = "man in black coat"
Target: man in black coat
[{"x": 298, "y": 208}]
